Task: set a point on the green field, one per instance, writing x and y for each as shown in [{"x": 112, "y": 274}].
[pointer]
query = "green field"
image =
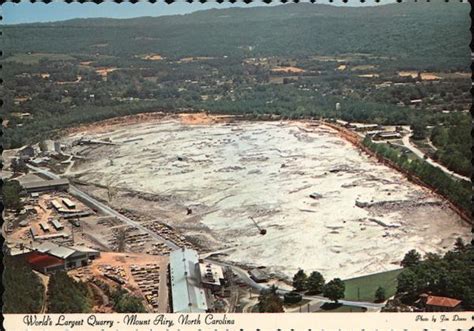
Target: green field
[
  {"x": 34, "y": 58},
  {"x": 363, "y": 288}
]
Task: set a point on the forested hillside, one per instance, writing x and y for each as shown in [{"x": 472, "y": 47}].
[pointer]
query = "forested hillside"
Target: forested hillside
[
  {"x": 420, "y": 35},
  {"x": 23, "y": 289},
  {"x": 65, "y": 295}
]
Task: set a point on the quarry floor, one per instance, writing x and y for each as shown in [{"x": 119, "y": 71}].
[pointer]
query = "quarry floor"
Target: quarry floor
[{"x": 227, "y": 171}]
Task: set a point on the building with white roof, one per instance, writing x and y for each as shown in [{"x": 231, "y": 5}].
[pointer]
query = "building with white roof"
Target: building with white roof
[{"x": 186, "y": 292}]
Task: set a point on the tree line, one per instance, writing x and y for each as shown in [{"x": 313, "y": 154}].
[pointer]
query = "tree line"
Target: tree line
[
  {"x": 458, "y": 191},
  {"x": 443, "y": 275}
]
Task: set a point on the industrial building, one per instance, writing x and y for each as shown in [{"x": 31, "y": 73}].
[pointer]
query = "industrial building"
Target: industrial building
[
  {"x": 46, "y": 185},
  {"x": 49, "y": 257},
  {"x": 212, "y": 276},
  {"x": 67, "y": 209},
  {"x": 187, "y": 295}
]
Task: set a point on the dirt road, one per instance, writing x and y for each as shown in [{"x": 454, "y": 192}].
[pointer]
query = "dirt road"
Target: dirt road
[{"x": 407, "y": 143}]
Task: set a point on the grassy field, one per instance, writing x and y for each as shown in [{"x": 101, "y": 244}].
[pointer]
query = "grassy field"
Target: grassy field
[
  {"x": 363, "y": 288},
  {"x": 34, "y": 58}
]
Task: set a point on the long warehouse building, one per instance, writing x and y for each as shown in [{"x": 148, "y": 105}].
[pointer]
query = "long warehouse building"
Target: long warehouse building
[
  {"x": 46, "y": 185},
  {"x": 187, "y": 295}
]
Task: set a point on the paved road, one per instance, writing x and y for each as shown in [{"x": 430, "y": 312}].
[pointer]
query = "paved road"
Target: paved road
[
  {"x": 243, "y": 274},
  {"x": 104, "y": 208},
  {"x": 407, "y": 143}
]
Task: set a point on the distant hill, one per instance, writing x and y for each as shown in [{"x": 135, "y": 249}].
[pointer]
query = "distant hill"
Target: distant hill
[{"x": 417, "y": 34}]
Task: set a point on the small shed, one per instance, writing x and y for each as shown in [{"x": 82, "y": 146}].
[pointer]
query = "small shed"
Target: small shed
[
  {"x": 57, "y": 225},
  {"x": 258, "y": 275},
  {"x": 68, "y": 203}
]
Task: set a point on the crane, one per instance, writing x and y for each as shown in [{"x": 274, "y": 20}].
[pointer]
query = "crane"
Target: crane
[{"x": 262, "y": 231}]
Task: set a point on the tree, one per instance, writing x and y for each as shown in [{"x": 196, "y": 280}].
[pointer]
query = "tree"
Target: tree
[
  {"x": 292, "y": 297},
  {"x": 419, "y": 130},
  {"x": 23, "y": 288},
  {"x": 334, "y": 290},
  {"x": 269, "y": 301},
  {"x": 67, "y": 296},
  {"x": 315, "y": 282},
  {"x": 441, "y": 275},
  {"x": 407, "y": 283},
  {"x": 43, "y": 146},
  {"x": 11, "y": 195},
  {"x": 380, "y": 294},
  {"x": 411, "y": 259},
  {"x": 467, "y": 296},
  {"x": 19, "y": 166},
  {"x": 299, "y": 280},
  {"x": 459, "y": 245},
  {"x": 126, "y": 303}
]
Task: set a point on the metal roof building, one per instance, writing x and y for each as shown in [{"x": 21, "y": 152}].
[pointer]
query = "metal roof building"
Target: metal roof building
[
  {"x": 61, "y": 252},
  {"x": 46, "y": 185},
  {"x": 187, "y": 294},
  {"x": 48, "y": 257}
]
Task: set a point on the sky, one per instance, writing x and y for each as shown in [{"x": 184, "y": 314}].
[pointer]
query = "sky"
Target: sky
[{"x": 58, "y": 10}]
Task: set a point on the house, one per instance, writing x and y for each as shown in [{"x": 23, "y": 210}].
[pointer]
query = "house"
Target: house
[{"x": 433, "y": 303}]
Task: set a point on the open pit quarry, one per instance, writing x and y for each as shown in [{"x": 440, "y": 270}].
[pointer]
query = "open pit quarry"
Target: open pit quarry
[{"x": 325, "y": 206}]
